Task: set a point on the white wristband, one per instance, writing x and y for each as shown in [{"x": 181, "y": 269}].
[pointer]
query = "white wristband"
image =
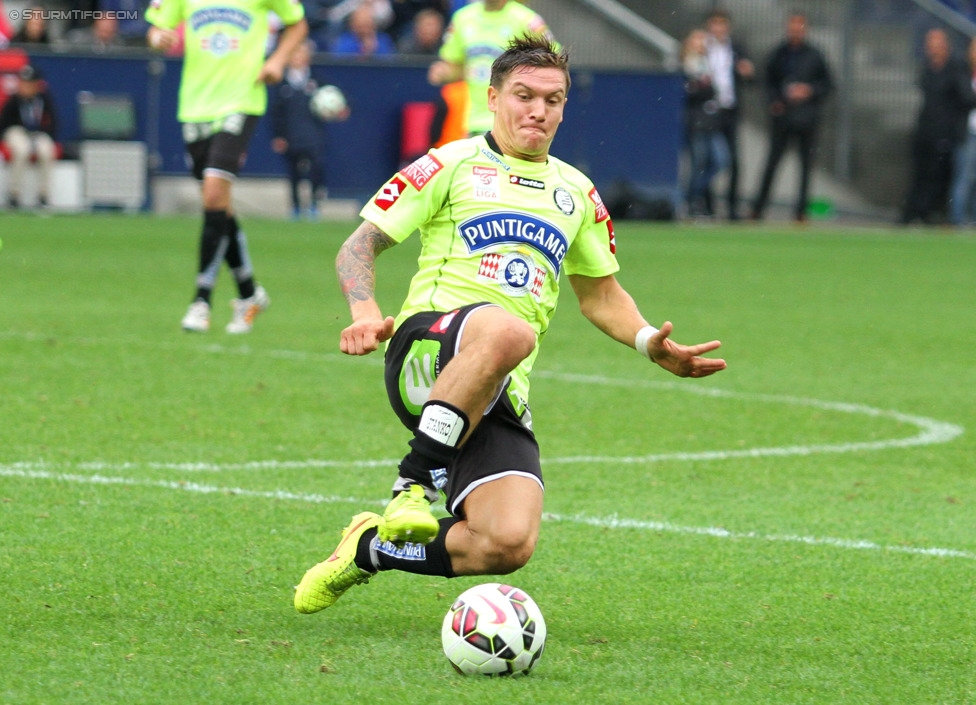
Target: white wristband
[{"x": 643, "y": 335}]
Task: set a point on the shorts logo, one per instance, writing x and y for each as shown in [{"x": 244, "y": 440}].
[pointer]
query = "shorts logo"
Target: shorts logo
[
  {"x": 601, "y": 210},
  {"x": 421, "y": 171},
  {"x": 564, "y": 201},
  {"x": 515, "y": 273},
  {"x": 443, "y": 323},
  {"x": 522, "y": 181},
  {"x": 439, "y": 478},
  {"x": 389, "y": 194},
  {"x": 485, "y": 182}
]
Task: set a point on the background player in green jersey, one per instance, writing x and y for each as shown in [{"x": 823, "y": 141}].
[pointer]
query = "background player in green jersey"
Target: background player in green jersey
[
  {"x": 477, "y": 34},
  {"x": 448, "y": 369},
  {"x": 222, "y": 97}
]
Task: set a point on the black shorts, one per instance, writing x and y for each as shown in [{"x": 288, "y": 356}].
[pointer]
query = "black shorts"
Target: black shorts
[
  {"x": 221, "y": 145},
  {"x": 500, "y": 445}
]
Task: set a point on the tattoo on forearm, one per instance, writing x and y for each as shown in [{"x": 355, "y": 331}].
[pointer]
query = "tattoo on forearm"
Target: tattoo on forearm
[{"x": 355, "y": 263}]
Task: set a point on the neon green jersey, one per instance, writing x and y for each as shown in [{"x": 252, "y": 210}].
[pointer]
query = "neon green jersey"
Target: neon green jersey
[
  {"x": 474, "y": 39},
  {"x": 224, "y": 50},
  {"x": 495, "y": 229}
]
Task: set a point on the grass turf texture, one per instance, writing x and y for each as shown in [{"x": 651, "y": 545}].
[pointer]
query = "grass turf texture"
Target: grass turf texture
[{"x": 162, "y": 492}]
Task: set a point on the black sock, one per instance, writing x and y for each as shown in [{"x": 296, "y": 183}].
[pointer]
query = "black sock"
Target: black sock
[
  {"x": 441, "y": 429},
  {"x": 432, "y": 559},
  {"x": 238, "y": 259},
  {"x": 214, "y": 229}
]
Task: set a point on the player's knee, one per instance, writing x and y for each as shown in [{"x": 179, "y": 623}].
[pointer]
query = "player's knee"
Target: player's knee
[
  {"x": 510, "y": 549},
  {"x": 514, "y": 341}
]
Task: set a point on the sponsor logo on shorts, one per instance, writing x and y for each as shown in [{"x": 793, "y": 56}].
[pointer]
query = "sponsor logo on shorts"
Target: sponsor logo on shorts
[
  {"x": 439, "y": 478},
  {"x": 421, "y": 171},
  {"x": 390, "y": 193},
  {"x": 523, "y": 181},
  {"x": 512, "y": 227}
]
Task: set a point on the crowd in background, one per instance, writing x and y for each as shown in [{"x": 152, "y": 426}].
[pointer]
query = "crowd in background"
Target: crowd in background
[{"x": 794, "y": 80}]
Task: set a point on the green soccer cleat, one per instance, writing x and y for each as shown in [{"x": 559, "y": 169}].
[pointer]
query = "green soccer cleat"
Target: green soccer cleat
[
  {"x": 325, "y": 583},
  {"x": 407, "y": 519}
]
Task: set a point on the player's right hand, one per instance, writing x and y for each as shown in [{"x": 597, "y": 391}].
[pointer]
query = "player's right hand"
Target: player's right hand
[{"x": 365, "y": 336}]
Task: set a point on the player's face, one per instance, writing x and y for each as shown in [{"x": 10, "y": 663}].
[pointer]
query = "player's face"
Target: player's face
[{"x": 528, "y": 108}]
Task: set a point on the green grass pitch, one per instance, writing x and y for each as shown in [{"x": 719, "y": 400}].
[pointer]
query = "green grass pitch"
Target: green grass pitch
[{"x": 800, "y": 528}]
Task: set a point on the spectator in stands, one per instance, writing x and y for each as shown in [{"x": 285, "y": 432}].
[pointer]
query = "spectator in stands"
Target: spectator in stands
[
  {"x": 362, "y": 38},
  {"x": 962, "y": 208},
  {"x": 297, "y": 132},
  {"x": 797, "y": 82},
  {"x": 330, "y": 18},
  {"x": 6, "y": 31},
  {"x": 100, "y": 36},
  {"x": 405, "y": 13},
  {"x": 730, "y": 68},
  {"x": 947, "y": 98},
  {"x": 707, "y": 148},
  {"x": 425, "y": 35},
  {"x": 34, "y": 28},
  {"x": 131, "y": 25},
  {"x": 476, "y": 36},
  {"x": 28, "y": 128}
]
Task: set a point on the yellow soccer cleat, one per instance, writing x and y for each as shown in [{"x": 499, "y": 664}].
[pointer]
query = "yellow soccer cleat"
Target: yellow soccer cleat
[
  {"x": 325, "y": 583},
  {"x": 408, "y": 519}
]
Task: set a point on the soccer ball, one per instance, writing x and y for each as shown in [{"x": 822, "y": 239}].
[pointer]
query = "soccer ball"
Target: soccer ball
[
  {"x": 328, "y": 103},
  {"x": 494, "y": 630}
]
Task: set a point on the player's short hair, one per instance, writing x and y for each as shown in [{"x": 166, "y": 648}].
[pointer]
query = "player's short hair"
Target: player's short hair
[{"x": 532, "y": 50}]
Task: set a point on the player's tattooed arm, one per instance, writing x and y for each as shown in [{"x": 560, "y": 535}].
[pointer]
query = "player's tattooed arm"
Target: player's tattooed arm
[{"x": 356, "y": 262}]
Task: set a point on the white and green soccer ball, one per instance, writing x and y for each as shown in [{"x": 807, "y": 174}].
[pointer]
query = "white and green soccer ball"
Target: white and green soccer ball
[
  {"x": 494, "y": 630},
  {"x": 328, "y": 103}
]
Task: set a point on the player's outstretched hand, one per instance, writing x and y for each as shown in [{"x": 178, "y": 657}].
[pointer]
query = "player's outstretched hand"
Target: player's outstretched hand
[
  {"x": 683, "y": 360},
  {"x": 365, "y": 336}
]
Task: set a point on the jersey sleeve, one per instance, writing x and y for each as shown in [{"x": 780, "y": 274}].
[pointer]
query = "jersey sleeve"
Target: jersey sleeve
[
  {"x": 166, "y": 14},
  {"x": 452, "y": 50},
  {"x": 290, "y": 11},
  {"x": 593, "y": 252},
  {"x": 411, "y": 198}
]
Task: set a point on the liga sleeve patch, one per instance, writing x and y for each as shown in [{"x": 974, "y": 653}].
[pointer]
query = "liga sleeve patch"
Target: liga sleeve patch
[{"x": 420, "y": 172}]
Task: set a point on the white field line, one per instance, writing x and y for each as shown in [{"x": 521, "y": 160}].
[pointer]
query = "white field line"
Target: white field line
[
  {"x": 930, "y": 431},
  {"x": 34, "y": 472}
]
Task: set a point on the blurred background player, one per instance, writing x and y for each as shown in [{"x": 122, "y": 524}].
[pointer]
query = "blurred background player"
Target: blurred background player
[
  {"x": 298, "y": 132},
  {"x": 27, "y": 127},
  {"x": 222, "y": 97},
  {"x": 476, "y": 36}
]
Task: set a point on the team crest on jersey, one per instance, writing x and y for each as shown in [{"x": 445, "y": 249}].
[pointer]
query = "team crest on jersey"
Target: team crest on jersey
[
  {"x": 485, "y": 181},
  {"x": 513, "y": 227},
  {"x": 601, "y": 210},
  {"x": 421, "y": 171},
  {"x": 219, "y": 44},
  {"x": 564, "y": 200},
  {"x": 390, "y": 193},
  {"x": 516, "y": 273}
]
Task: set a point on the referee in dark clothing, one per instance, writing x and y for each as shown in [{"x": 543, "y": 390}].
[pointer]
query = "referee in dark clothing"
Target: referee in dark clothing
[
  {"x": 947, "y": 98},
  {"x": 797, "y": 82}
]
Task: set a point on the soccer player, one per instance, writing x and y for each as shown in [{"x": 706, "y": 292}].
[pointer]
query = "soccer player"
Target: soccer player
[
  {"x": 476, "y": 35},
  {"x": 500, "y": 220},
  {"x": 222, "y": 97}
]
